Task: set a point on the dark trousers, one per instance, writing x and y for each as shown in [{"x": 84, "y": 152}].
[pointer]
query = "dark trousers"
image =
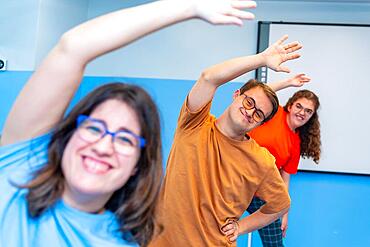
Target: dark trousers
[{"x": 271, "y": 235}]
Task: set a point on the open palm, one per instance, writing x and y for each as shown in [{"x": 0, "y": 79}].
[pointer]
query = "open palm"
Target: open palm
[
  {"x": 224, "y": 11},
  {"x": 278, "y": 53},
  {"x": 299, "y": 80}
]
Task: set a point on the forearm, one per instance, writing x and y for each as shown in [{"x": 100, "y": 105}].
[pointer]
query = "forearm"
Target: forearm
[
  {"x": 62, "y": 70},
  {"x": 295, "y": 81},
  {"x": 231, "y": 69},
  {"x": 279, "y": 85},
  {"x": 117, "y": 29},
  {"x": 258, "y": 220},
  {"x": 286, "y": 178},
  {"x": 216, "y": 75}
]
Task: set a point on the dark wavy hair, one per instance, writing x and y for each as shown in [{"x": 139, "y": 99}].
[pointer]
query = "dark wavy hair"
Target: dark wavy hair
[
  {"x": 135, "y": 203},
  {"x": 269, "y": 93},
  {"x": 309, "y": 133}
]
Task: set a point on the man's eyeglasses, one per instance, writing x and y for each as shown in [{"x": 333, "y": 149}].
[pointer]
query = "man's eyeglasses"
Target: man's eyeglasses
[
  {"x": 92, "y": 130},
  {"x": 248, "y": 104},
  {"x": 307, "y": 111}
]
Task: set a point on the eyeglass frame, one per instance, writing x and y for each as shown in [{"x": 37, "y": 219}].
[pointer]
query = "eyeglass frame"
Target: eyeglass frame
[
  {"x": 81, "y": 118},
  {"x": 254, "y": 107},
  {"x": 304, "y": 109}
]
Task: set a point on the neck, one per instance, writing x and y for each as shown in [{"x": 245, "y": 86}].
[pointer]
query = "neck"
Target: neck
[
  {"x": 85, "y": 202},
  {"x": 223, "y": 123},
  {"x": 290, "y": 125}
]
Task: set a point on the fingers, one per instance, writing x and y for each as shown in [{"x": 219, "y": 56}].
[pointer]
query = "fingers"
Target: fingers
[
  {"x": 241, "y": 14},
  {"x": 292, "y": 47},
  {"x": 228, "y": 227},
  {"x": 224, "y": 11},
  {"x": 283, "y": 69},
  {"x": 233, "y": 238},
  {"x": 243, "y": 4},
  {"x": 230, "y": 231},
  {"x": 225, "y": 20},
  {"x": 284, "y": 229},
  {"x": 304, "y": 78},
  {"x": 292, "y": 56},
  {"x": 282, "y": 39}
]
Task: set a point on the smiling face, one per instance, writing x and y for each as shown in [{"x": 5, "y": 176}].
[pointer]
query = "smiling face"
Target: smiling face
[
  {"x": 95, "y": 170},
  {"x": 300, "y": 112},
  {"x": 243, "y": 118}
]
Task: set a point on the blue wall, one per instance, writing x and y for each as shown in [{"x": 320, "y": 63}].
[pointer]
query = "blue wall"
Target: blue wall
[{"x": 327, "y": 209}]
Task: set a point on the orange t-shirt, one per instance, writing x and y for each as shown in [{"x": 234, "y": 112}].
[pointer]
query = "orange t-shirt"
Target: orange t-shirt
[
  {"x": 280, "y": 140},
  {"x": 211, "y": 178}
]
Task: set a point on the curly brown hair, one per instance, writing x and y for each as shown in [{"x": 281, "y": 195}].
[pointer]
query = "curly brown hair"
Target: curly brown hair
[{"x": 309, "y": 133}]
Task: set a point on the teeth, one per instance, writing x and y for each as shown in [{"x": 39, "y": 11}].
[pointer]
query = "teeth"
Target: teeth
[{"x": 96, "y": 167}]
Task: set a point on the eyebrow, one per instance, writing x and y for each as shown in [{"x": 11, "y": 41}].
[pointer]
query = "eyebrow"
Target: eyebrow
[
  {"x": 304, "y": 107},
  {"x": 106, "y": 126},
  {"x": 255, "y": 104}
]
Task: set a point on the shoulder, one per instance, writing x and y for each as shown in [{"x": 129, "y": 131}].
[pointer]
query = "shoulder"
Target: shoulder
[
  {"x": 34, "y": 151},
  {"x": 264, "y": 157}
]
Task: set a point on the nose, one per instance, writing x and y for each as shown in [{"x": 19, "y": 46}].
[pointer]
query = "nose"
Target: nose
[
  {"x": 302, "y": 111},
  {"x": 249, "y": 113},
  {"x": 104, "y": 146}
]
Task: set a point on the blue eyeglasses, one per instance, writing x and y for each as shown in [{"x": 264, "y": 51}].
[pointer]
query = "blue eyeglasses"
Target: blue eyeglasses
[{"x": 92, "y": 130}]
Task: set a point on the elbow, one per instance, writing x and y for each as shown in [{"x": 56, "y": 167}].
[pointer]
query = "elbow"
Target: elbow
[
  {"x": 66, "y": 43},
  {"x": 206, "y": 76},
  {"x": 286, "y": 209},
  {"x": 69, "y": 45}
]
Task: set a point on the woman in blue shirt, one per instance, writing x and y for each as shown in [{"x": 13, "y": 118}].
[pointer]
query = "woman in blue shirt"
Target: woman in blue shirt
[{"x": 92, "y": 177}]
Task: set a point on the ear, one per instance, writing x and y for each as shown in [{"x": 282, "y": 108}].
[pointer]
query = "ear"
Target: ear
[
  {"x": 290, "y": 107},
  {"x": 236, "y": 94}
]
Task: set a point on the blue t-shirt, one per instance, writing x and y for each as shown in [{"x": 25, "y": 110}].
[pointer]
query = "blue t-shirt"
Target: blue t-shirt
[{"x": 60, "y": 225}]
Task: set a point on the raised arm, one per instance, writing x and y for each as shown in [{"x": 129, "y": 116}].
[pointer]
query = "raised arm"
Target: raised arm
[
  {"x": 45, "y": 97},
  {"x": 213, "y": 77},
  {"x": 296, "y": 81}
]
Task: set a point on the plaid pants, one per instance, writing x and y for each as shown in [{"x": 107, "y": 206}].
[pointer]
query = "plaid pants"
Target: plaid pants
[{"x": 271, "y": 235}]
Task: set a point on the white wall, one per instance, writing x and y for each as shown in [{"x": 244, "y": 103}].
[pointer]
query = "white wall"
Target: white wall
[
  {"x": 182, "y": 51},
  {"x": 30, "y": 28},
  {"x": 18, "y": 25},
  {"x": 55, "y": 17}
]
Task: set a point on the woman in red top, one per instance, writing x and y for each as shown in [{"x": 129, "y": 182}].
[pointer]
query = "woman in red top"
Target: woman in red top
[{"x": 293, "y": 132}]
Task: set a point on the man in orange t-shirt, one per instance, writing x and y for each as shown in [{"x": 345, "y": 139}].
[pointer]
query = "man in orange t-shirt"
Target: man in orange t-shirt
[{"x": 214, "y": 169}]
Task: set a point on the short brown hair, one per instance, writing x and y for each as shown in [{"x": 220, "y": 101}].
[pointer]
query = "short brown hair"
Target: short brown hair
[{"x": 269, "y": 93}]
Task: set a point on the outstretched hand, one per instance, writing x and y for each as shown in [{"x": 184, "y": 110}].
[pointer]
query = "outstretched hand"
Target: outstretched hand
[
  {"x": 231, "y": 230},
  {"x": 224, "y": 11},
  {"x": 278, "y": 53},
  {"x": 299, "y": 80}
]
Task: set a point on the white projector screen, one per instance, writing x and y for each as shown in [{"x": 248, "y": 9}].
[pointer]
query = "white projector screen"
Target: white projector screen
[{"x": 337, "y": 58}]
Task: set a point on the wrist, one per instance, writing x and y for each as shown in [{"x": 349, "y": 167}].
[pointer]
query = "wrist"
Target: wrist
[
  {"x": 264, "y": 58},
  {"x": 192, "y": 8}
]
